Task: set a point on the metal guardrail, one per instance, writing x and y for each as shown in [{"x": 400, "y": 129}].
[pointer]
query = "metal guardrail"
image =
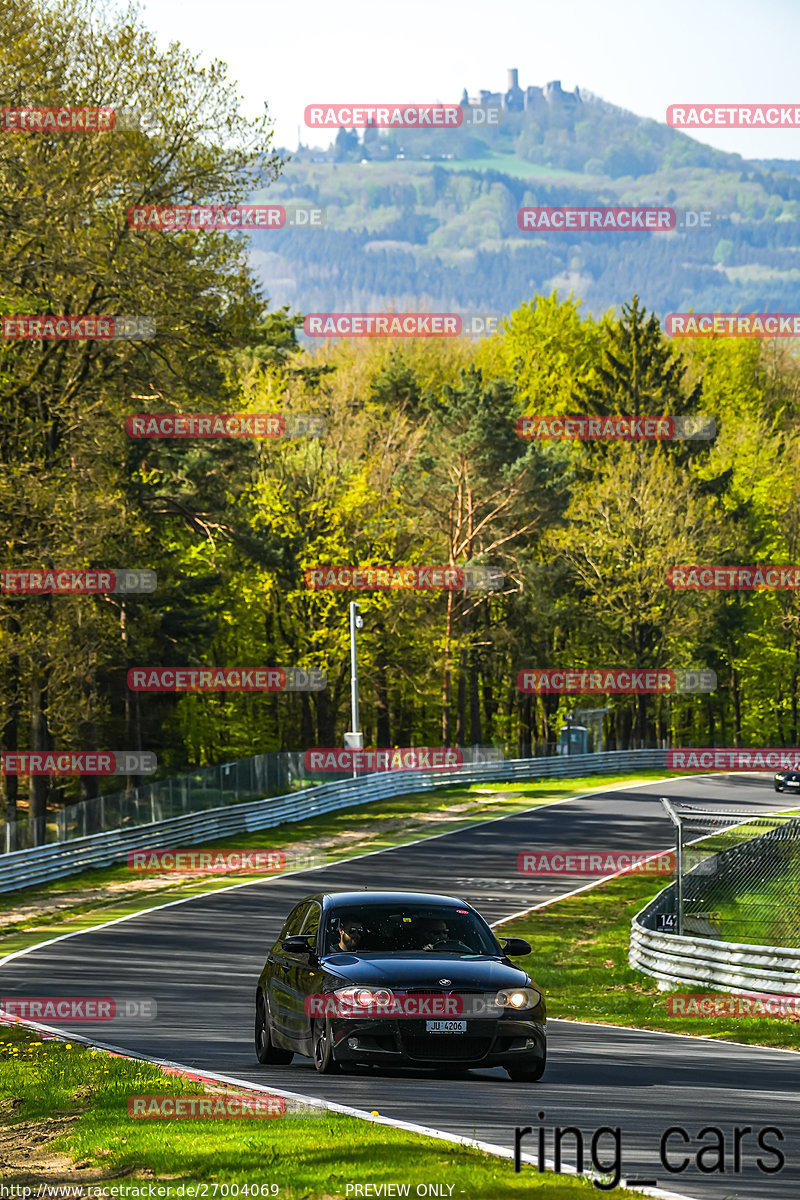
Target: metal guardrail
[
  {"x": 270, "y": 774},
  {"x": 688, "y": 957},
  {"x": 40, "y": 864},
  {"x": 712, "y": 963}
]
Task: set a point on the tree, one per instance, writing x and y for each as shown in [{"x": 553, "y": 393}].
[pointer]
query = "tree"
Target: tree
[
  {"x": 69, "y": 497},
  {"x": 481, "y": 492},
  {"x": 547, "y": 349},
  {"x": 639, "y": 373},
  {"x": 639, "y": 517}
]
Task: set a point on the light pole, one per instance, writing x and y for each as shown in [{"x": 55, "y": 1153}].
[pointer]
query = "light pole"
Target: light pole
[
  {"x": 354, "y": 739},
  {"x": 676, "y": 821}
]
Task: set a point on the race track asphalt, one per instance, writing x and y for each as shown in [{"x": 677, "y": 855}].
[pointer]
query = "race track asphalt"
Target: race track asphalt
[{"x": 200, "y": 961}]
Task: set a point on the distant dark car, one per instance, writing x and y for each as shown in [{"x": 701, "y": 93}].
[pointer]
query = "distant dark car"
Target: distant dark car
[
  {"x": 398, "y": 978},
  {"x": 787, "y": 781}
]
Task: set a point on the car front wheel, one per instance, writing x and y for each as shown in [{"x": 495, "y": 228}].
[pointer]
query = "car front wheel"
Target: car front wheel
[
  {"x": 322, "y": 1040},
  {"x": 266, "y": 1052},
  {"x": 778, "y": 788},
  {"x": 528, "y": 1072}
]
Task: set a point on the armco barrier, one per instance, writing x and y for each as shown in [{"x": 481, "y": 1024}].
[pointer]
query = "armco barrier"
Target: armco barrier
[
  {"x": 273, "y": 773},
  {"x": 709, "y": 962},
  {"x": 26, "y": 868}
]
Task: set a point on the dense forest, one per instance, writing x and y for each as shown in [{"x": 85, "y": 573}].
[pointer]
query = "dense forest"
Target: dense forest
[
  {"x": 420, "y": 463},
  {"x": 449, "y": 234}
]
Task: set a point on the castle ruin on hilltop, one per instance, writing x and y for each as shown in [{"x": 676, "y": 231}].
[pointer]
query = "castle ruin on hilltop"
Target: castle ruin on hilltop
[{"x": 517, "y": 99}]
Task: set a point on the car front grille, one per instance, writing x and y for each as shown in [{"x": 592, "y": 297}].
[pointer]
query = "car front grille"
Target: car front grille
[{"x": 444, "y": 1047}]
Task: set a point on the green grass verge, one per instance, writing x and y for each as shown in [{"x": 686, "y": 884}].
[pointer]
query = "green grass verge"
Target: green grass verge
[
  {"x": 764, "y": 913},
  {"x": 33, "y": 915},
  {"x": 580, "y": 958},
  {"x": 82, "y": 1095}
]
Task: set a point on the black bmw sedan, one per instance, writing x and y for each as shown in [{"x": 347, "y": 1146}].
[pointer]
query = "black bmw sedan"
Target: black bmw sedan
[
  {"x": 787, "y": 781},
  {"x": 398, "y": 978}
]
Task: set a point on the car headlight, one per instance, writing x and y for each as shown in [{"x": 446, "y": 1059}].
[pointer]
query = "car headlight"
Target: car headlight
[
  {"x": 518, "y": 998},
  {"x": 778, "y": 775},
  {"x": 363, "y": 997}
]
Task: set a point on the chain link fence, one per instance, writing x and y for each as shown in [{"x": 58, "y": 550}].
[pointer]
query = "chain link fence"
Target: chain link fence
[
  {"x": 737, "y": 877},
  {"x": 261, "y": 775}
]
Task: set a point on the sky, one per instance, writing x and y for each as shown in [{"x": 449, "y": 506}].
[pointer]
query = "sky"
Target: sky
[{"x": 638, "y": 56}]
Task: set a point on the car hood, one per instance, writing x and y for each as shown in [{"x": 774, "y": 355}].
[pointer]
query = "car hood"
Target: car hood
[{"x": 399, "y": 971}]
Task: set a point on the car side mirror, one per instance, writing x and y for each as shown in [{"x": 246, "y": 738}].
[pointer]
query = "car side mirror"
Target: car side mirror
[
  {"x": 515, "y": 947},
  {"x": 297, "y": 943}
]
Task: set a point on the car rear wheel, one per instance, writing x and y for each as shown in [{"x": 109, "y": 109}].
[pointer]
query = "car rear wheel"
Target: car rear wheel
[
  {"x": 528, "y": 1072},
  {"x": 266, "y": 1052},
  {"x": 322, "y": 1042}
]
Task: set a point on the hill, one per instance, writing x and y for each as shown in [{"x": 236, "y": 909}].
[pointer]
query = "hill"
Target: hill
[{"x": 429, "y": 218}]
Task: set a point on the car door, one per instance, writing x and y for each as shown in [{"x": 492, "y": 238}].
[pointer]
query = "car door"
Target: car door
[
  {"x": 305, "y": 979},
  {"x": 281, "y": 985}
]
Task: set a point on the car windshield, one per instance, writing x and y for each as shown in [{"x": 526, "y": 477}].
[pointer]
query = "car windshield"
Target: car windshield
[{"x": 389, "y": 928}]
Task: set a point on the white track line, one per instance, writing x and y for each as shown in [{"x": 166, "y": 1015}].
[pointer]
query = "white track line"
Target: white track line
[
  {"x": 338, "y": 862},
  {"x": 698, "y": 1037},
  {"x": 488, "y": 1147},
  {"x": 634, "y": 1028},
  {"x": 328, "y": 1105}
]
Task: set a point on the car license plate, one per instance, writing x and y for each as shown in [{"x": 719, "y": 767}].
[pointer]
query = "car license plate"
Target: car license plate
[{"x": 446, "y": 1026}]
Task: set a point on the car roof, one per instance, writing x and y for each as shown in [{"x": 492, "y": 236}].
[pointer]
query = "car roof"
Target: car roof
[{"x": 367, "y": 896}]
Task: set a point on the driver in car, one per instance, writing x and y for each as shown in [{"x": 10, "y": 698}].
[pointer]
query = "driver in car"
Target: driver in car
[
  {"x": 350, "y": 936},
  {"x": 433, "y": 931}
]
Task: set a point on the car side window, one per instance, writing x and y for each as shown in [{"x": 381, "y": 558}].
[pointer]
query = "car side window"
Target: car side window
[
  {"x": 294, "y": 922},
  {"x": 310, "y": 925}
]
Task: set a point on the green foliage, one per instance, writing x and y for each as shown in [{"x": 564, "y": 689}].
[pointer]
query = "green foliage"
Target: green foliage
[{"x": 420, "y": 461}]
